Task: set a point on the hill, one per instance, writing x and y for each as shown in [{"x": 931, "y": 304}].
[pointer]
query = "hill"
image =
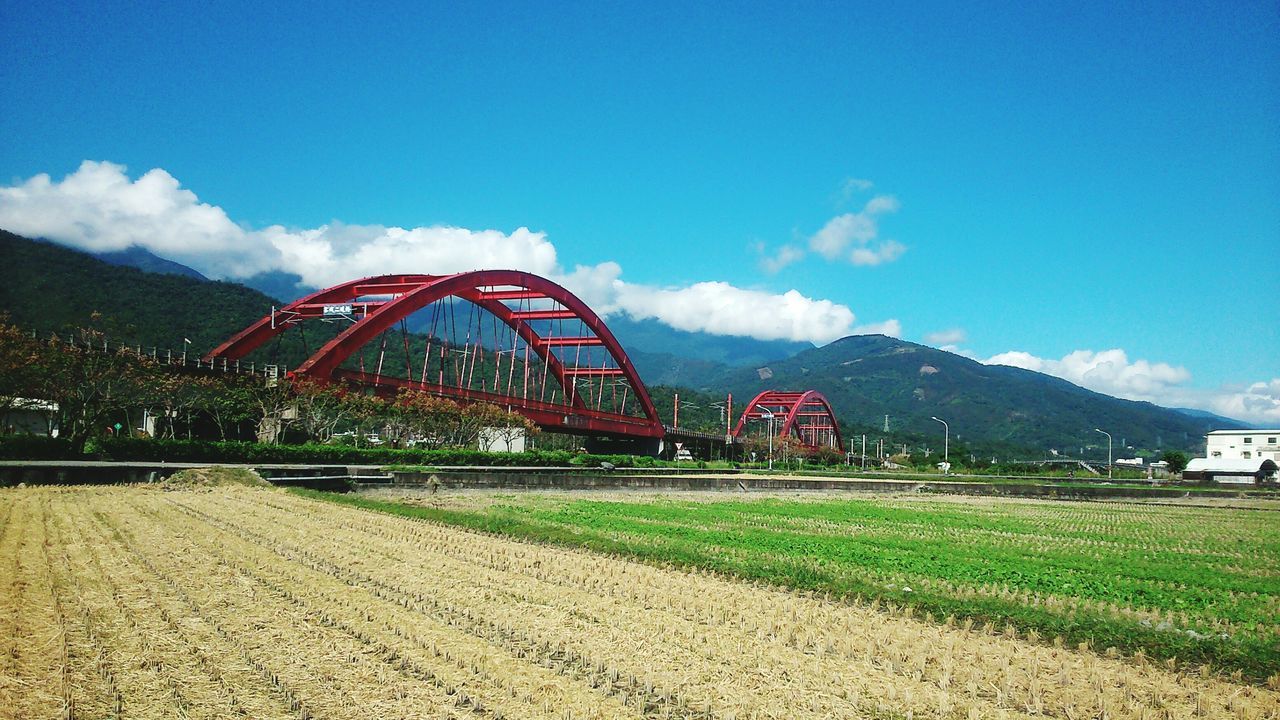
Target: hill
[
  {"x": 988, "y": 407},
  {"x": 147, "y": 261},
  {"x": 991, "y": 409},
  {"x": 51, "y": 288}
]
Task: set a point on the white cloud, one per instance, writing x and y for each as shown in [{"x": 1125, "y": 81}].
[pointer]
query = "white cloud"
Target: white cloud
[
  {"x": 952, "y": 336},
  {"x": 786, "y": 255},
  {"x": 859, "y": 229},
  {"x": 1259, "y": 402},
  {"x": 892, "y": 328},
  {"x": 1107, "y": 372},
  {"x": 722, "y": 309},
  {"x": 1111, "y": 372},
  {"x": 887, "y": 251},
  {"x": 98, "y": 208},
  {"x": 852, "y": 186}
]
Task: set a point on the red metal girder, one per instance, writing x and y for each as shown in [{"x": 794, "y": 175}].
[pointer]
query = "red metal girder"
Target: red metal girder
[
  {"x": 594, "y": 372},
  {"x": 544, "y": 315},
  {"x": 398, "y": 288},
  {"x": 254, "y": 336},
  {"x": 791, "y": 405},
  {"x": 325, "y": 362},
  {"x": 510, "y": 295},
  {"x": 317, "y": 309},
  {"x": 560, "y": 341}
]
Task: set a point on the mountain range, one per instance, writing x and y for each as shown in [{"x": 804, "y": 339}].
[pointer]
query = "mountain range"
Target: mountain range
[{"x": 991, "y": 409}]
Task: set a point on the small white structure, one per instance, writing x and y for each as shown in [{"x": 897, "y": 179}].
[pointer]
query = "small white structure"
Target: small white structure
[
  {"x": 502, "y": 439},
  {"x": 1223, "y": 470},
  {"x": 29, "y": 416},
  {"x": 1243, "y": 445}
]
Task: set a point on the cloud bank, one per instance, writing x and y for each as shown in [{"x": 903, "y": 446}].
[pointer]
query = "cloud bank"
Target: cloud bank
[
  {"x": 99, "y": 208},
  {"x": 1111, "y": 372}
]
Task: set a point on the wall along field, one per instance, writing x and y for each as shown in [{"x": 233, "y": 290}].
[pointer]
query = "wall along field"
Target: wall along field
[{"x": 138, "y": 602}]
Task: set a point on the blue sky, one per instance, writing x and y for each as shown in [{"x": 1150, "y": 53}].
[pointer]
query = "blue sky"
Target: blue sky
[{"x": 992, "y": 178}]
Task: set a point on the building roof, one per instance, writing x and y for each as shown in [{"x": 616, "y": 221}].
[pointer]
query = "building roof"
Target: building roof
[
  {"x": 1263, "y": 431},
  {"x": 1224, "y": 465}
]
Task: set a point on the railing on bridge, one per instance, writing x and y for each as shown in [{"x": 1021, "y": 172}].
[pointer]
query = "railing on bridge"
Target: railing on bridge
[{"x": 166, "y": 357}]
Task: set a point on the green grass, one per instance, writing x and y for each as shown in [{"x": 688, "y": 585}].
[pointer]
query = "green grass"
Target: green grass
[{"x": 1108, "y": 574}]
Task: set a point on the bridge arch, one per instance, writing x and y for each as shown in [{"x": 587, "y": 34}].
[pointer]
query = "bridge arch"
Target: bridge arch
[
  {"x": 587, "y": 363},
  {"x": 807, "y": 415}
]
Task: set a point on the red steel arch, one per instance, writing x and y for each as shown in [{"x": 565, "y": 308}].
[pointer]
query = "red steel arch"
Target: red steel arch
[
  {"x": 807, "y": 415},
  {"x": 378, "y": 303}
]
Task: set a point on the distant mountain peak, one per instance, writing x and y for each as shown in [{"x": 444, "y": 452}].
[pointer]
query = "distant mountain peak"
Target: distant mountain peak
[{"x": 136, "y": 256}]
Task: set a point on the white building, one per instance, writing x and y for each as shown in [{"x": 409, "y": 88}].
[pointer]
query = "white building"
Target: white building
[
  {"x": 1243, "y": 445},
  {"x": 1236, "y": 456}
]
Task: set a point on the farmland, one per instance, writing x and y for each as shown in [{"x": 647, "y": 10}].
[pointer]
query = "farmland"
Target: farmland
[
  {"x": 1190, "y": 582},
  {"x": 138, "y": 602}
]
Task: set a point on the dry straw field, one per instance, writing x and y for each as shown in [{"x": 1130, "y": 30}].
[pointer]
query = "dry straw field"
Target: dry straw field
[{"x": 138, "y": 602}]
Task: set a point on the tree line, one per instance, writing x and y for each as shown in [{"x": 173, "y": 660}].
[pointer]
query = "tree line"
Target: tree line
[{"x": 89, "y": 389}]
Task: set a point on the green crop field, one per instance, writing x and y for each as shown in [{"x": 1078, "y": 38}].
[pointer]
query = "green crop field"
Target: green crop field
[{"x": 1197, "y": 584}]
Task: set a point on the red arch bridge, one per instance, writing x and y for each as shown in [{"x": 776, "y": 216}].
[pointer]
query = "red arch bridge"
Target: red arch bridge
[
  {"x": 510, "y": 338},
  {"x": 806, "y": 416}
]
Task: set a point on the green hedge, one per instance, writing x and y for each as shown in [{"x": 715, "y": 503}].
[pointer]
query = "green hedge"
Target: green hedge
[
  {"x": 124, "y": 449},
  {"x": 36, "y": 447}
]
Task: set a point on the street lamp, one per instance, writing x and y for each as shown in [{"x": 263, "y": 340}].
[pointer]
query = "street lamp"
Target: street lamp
[
  {"x": 1104, "y": 432},
  {"x": 946, "y": 442},
  {"x": 769, "y": 418}
]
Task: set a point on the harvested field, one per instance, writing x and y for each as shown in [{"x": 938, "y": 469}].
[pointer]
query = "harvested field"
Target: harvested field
[
  {"x": 135, "y": 602},
  {"x": 1199, "y": 584}
]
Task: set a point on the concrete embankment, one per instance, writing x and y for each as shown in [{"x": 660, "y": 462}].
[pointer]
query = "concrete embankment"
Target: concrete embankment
[
  {"x": 667, "y": 479},
  {"x": 343, "y": 477},
  {"x": 92, "y": 472}
]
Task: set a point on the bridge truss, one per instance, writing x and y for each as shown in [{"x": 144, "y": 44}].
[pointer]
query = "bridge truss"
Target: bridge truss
[
  {"x": 805, "y": 415},
  {"x": 510, "y": 338}
]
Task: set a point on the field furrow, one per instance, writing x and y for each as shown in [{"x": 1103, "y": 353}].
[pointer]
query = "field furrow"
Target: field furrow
[{"x": 136, "y": 602}]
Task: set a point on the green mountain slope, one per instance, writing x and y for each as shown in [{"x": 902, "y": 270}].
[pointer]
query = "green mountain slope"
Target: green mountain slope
[
  {"x": 988, "y": 407},
  {"x": 991, "y": 409},
  {"x": 50, "y": 288}
]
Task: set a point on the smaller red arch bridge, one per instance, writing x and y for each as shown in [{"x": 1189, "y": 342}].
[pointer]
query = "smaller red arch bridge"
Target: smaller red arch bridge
[
  {"x": 505, "y": 337},
  {"x": 805, "y": 415}
]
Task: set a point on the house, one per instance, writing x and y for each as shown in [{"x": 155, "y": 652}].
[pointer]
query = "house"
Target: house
[
  {"x": 1226, "y": 470},
  {"x": 1236, "y": 456},
  {"x": 1243, "y": 445}
]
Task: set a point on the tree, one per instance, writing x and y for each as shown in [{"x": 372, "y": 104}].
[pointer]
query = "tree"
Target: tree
[
  {"x": 91, "y": 383},
  {"x": 21, "y": 356},
  {"x": 1177, "y": 461},
  {"x": 227, "y": 400},
  {"x": 273, "y": 399},
  {"x": 430, "y": 421},
  {"x": 1266, "y": 471},
  {"x": 320, "y": 407}
]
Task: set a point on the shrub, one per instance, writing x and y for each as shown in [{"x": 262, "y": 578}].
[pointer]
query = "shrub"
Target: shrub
[{"x": 36, "y": 447}]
